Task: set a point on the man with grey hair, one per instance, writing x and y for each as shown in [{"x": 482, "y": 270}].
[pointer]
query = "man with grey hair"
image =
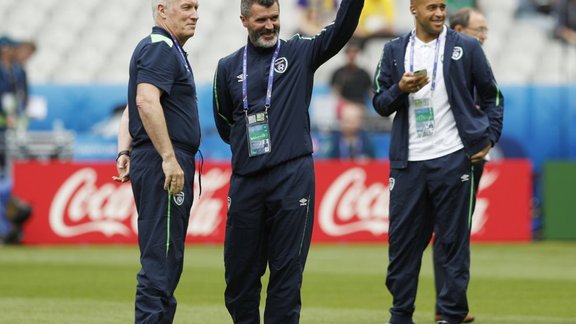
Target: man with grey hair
[
  {"x": 158, "y": 138},
  {"x": 262, "y": 94},
  {"x": 471, "y": 22}
]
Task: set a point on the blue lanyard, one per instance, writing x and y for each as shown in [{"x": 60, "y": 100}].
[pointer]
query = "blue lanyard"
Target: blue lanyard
[
  {"x": 182, "y": 54},
  {"x": 270, "y": 78},
  {"x": 435, "y": 67}
]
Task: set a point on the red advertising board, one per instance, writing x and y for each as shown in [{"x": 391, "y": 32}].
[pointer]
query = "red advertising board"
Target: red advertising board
[{"x": 79, "y": 203}]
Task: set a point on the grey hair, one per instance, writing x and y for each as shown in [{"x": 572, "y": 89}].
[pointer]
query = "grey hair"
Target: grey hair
[
  {"x": 155, "y": 4},
  {"x": 462, "y": 17},
  {"x": 246, "y": 6}
]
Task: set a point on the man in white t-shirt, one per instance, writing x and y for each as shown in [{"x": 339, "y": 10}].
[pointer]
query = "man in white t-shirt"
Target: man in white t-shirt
[{"x": 432, "y": 78}]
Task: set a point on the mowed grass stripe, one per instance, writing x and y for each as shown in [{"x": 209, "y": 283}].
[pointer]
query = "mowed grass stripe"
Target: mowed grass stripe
[
  {"x": 48, "y": 311},
  {"x": 343, "y": 284},
  {"x": 56, "y": 310}
]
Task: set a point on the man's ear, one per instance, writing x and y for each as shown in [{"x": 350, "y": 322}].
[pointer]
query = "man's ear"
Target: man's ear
[
  {"x": 244, "y": 21},
  {"x": 162, "y": 11},
  {"x": 459, "y": 28}
]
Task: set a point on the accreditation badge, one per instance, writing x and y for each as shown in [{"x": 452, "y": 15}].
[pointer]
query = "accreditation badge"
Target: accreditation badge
[
  {"x": 424, "y": 117},
  {"x": 258, "y": 131}
]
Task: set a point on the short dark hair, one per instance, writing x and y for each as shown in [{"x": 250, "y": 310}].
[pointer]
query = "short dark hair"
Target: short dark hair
[
  {"x": 462, "y": 17},
  {"x": 246, "y": 5}
]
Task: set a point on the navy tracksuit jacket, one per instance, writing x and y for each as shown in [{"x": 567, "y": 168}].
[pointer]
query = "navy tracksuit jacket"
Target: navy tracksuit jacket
[
  {"x": 436, "y": 195},
  {"x": 271, "y": 198},
  {"x": 477, "y": 127}
]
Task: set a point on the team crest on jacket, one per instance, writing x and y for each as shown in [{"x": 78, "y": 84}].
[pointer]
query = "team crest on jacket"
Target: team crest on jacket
[
  {"x": 281, "y": 65},
  {"x": 457, "y": 53},
  {"x": 179, "y": 198}
]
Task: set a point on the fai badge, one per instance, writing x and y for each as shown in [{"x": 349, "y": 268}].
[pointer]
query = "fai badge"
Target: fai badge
[
  {"x": 179, "y": 198},
  {"x": 281, "y": 65},
  {"x": 457, "y": 53}
]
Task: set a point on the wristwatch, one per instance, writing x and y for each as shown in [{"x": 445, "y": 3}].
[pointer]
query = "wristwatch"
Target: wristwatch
[{"x": 125, "y": 152}]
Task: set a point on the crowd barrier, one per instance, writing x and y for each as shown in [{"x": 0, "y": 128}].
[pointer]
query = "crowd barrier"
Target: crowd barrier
[{"x": 78, "y": 203}]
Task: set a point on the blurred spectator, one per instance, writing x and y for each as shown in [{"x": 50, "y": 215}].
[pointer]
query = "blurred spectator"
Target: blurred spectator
[
  {"x": 24, "y": 51},
  {"x": 6, "y": 105},
  {"x": 377, "y": 20},
  {"x": 14, "y": 81},
  {"x": 350, "y": 81},
  {"x": 566, "y": 24},
  {"x": 470, "y": 21},
  {"x": 353, "y": 84},
  {"x": 314, "y": 15},
  {"x": 351, "y": 142},
  {"x": 8, "y": 85},
  {"x": 13, "y": 99},
  {"x": 8, "y": 94}
]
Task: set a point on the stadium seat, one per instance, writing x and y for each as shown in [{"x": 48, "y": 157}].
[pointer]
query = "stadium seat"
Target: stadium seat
[{"x": 65, "y": 28}]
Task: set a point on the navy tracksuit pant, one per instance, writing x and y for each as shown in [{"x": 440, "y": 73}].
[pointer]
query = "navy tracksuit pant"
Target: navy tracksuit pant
[
  {"x": 430, "y": 196},
  {"x": 162, "y": 225},
  {"x": 439, "y": 273},
  {"x": 270, "y": 220}
]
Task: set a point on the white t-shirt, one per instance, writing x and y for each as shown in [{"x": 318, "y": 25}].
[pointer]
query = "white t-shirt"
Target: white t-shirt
[{"x": 445, "y": 138}]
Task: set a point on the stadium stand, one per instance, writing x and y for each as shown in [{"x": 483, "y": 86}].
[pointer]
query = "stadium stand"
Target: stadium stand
[{"x": 86, "y": 41}]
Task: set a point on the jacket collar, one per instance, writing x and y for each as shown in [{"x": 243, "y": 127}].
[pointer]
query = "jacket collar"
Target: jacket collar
[{"x": 448, "y": 49}]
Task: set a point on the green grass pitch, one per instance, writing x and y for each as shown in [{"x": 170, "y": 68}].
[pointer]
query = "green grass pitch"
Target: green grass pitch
[{"x": 343, "y": 284}]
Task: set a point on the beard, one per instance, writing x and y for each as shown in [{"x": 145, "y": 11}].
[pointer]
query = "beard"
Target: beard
[{"x": 259, "y": 41}]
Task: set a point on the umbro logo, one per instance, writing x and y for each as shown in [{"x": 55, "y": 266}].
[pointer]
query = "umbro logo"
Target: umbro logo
[
  {"x": 240, "y": 77},
  {"x": 303, "y": 202},
  {"x": 465, "y": 177}
]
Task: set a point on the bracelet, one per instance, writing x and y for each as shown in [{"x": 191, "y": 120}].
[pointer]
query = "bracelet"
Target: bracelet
[{"x": 125, "y": 152}]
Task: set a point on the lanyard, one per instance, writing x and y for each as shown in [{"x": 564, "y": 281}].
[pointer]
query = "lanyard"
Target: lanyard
[
  {"x": 435, "y": 67},
  {"x": 182, "y": 54},
  {"x": 270, "y": 78}
]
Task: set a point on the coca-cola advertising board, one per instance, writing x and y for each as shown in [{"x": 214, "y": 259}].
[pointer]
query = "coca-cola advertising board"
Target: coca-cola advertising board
[{"x": 79, "y": 203}]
